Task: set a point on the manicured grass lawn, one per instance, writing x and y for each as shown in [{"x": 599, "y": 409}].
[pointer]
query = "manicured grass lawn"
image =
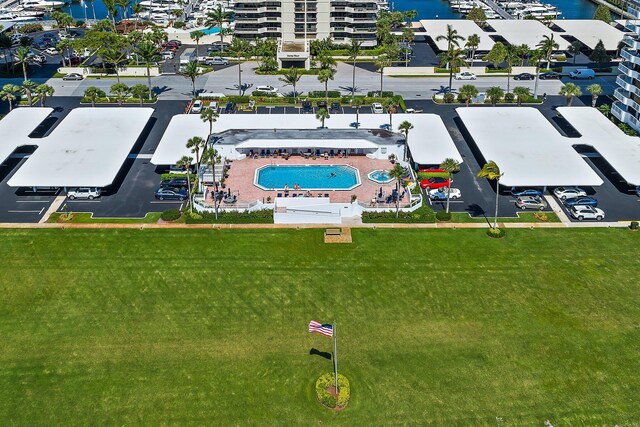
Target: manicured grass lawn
[{"x": 443, "y": 327}]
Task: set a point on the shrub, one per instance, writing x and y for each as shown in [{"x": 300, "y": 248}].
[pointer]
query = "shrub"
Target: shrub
[
  {"x": 264, "y": 216},
  {"x": 448, "y": 98},
  {"x": 320, "y": 94},
  {"x": 462, "y": 98},
  {"x": 496, "y": 233},
  {"x": 31, "y": 28},
  {"x": 179, "y": 24},
  {"x": 170, "y": 215},
  {"x": 634, "y": 225},
  {"x": 541, "y": 217},
  {"x": 195, "y": 215},
  {"x": 509, "y": 97},
  {"x": 322, "y": 391},
  {"x": 377, "y": 93},
  {"x": 443, "y": 216}
]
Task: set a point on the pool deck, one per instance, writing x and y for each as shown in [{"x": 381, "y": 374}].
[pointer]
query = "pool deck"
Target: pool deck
[{"x": 242, "y": 172}]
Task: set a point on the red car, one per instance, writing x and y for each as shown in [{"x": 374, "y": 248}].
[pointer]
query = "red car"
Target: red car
[
  {"x": 171, "y": 45},
  {"x": 434, "y": 182},
  {"x": 431, "y": 169}
]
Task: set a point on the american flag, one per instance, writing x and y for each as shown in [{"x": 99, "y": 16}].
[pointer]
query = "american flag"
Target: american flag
[{"x": 321, "y": 328}]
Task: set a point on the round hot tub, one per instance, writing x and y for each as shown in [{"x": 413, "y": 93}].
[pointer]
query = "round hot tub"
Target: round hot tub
[{"x": 380, "y": 176}]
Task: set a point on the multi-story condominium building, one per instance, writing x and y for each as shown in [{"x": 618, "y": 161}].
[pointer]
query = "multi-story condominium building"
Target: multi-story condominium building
[
  {"x": 296, "y": 22},
  {"x": 626, "y": 108}
]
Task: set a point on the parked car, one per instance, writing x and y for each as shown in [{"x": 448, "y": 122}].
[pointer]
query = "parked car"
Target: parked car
[
  {"x": 218, "y": 46},
  {"x": 322, "y": 104},
  {"x": 176, "y": 169},
  {"x": 175, "y": 183},
  {"x": 37, "y": 58},
  {"x": 526, "y": 192},
  {"x": 434, "y": 182},
  {"x": 581, "y": 200},
  {"x": 51, "y": 51},
  {"x": 169, "y": 193},
  {"x": 307, "y": 107},
  {"x": 564, "y": 193},
  {"x": 638, "y": 191},
  {"x": 71, "y": 61},
  {"x": 582, "y": 74},
  {"x": 197, "y": 106},
  {"x": 524, "y": 76},
  {"x": 465, "y": 76},
  {"x": 167, "y": 54},
  {"x": 531, "y": 202},
  {"x": 178, "y": 42},
  {"x": 581, "y": 212},
  {"x": 83, "y": 193},
  {"x": 431, "y": 169},
  {"x": 551, "y": 75},
  {"x": 73, "y": 76},
  {"x": 377, "y": 108},
  {"x": 230, "y": 107},
  {"x": 267, "y": 89},
  {"x": 216, "y": 60},
  {"x": 335, "y": 108},
  {"x": 441, "y": 194},
  {"x": 171, "y": 44}
]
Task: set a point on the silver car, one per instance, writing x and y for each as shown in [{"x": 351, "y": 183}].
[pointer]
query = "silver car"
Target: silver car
[
  {"x": 564, "y": 193},
  {"x": 83, "y": 193},
  {"x": 531, "y": 202}
]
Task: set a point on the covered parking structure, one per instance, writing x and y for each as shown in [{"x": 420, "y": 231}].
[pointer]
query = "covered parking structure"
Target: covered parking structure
[
  {"x": 87, "y": 149},
  {"x": 464, "y": 27},
  {"x": 528, "y": 150},
  {"x": 590, "y": 31},
  {"x": 429, "y": 141},
  {"x": 621, "y": 151},
  {"x": 16, "y": 127},
  {"x": 525, "y": 31}
]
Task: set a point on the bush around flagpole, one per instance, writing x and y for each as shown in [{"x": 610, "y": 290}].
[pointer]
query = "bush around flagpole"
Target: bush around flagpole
[{"x": 326, "y": 394}]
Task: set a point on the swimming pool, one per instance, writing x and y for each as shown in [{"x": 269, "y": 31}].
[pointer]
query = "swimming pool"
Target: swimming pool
[
  {"x": 308, "y": 177},
  {"x": 209, "y": 31},
  {"x": 380, "y": 176}
]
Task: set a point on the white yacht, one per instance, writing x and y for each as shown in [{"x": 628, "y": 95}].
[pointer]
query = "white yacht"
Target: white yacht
[{"x": 42, "y": 4}]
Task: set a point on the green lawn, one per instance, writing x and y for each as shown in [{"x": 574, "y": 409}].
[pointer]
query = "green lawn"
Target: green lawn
[{"x": 206, "y": 327}]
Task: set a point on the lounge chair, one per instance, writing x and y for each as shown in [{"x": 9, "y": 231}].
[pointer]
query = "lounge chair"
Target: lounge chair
[
  {"x": 326, "y": 194},
  {"x": 279, "y": 194}
]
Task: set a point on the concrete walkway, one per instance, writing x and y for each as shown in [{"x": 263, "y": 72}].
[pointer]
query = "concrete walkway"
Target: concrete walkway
[{"x": 557, "y": 209}]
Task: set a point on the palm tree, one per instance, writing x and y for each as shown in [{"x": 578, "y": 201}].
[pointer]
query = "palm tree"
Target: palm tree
[
  {"x": 595, "y": 90},
  {"x": 357, "y": 103},
  {"x": 64, "y": 46},
  {"x": 382, "y": 61},
  {"x": 192, "y": 71},
  {"x": 195, "y": 144},
  {"x": 148, "y": 53},
  {"x": 570, "y": 90},
  {"x": 240, "y": 48},
  {"x": 495, "y": 93},
  {"x": 392, "y": 108},
  {"x": 5, "y": 45},
  {"x": 491, "y": 171},
  {"x": 353, "y": 51},
  {"x": 94, "y": 93},
  {"x": 292, "y": 77},
  {"x": 22, "y": 57},
  {"x": 468, "y": 92},
  {"x": 28, "y": 87},
  {"x": 121, "y": 91},
  {"x": 405, "y": 127},
  {"x": 211, "y": 156},
  {"x": 326, "y": 61},
  {"x": 111, "y": 8},
  {"x": 10, "y": 93},
  {"x": 472, "y": 44},
  {"x": 453, "y": 39},
  {"x": 140, "y": 91},
  {"x": 217, "y": 18},
  {"x": 137, "y": 10},
  {"x": 547, "y": 45},
  {"x": 209, "y": 115},
  {"x": 124, "y": 5},
  {"x": 43, "y": 91},
  {"x": 113, "y": 55},
  {"x": 324, "y": 76},
  {"x": 454, "y": 58},
  {"x": 397, "y": 172},
  {"x": 322, "y": 115},
  {"x": 511, "y": 58},
  {"x": 450, "y": 166},
  {"x": 185, "y": 163},
  {"x": 574, "y": 49},
  {"x": 197, "y": 35},
  {"x": 521, "y": 92}
]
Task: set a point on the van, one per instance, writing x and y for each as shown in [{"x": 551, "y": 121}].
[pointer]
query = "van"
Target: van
[{"x": 582, "y": 74}]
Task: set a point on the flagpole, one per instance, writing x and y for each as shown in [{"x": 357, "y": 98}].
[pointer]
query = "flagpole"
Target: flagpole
[{"x": 335, "y": 353}]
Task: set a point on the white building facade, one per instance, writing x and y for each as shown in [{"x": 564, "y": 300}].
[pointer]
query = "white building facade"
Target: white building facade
[{"x": 626, "y": 108}]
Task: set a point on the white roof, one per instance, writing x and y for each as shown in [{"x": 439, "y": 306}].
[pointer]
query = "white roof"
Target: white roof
[
  {"x": 307, "y": 143},
  {"x": 620, "y": 150},
  {"x": 528, "y": 149},
  {"x": 525, "y": 31},
  {"x": 86, "y": 150},
  {"x": 589, "y": 31},
  {"x": 17, "y": 125},
  {"x": 429, "y": 141},
  {"x": 465, "y": 27}
]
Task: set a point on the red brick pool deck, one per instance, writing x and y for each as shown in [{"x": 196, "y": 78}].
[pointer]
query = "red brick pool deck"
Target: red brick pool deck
[{"x": 242, "y": 173}]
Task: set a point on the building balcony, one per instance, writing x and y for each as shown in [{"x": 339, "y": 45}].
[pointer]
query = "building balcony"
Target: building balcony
[
  {"x": 631, "y": 42},
  {"x": 621, "y": 113},
  {"x": 630, "y": 56},
  {"x": 629, "y": 72},
  {"x": 351, "y": 20},
  {"x": 626, "y": 83},
  {"x": 352, "y": 30},
  {"x": 634, "y": 11},
  {"x": 624, "y": 96},
  {"x": 256, "y": 19}
]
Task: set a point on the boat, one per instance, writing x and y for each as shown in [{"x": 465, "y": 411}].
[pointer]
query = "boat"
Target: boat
[{"x": 42, "y": 4}]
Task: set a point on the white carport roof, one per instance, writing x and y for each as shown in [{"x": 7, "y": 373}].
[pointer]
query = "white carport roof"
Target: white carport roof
[
  {"x": 589, "y": 31},
  {"x": 465, "y": 27},
  {"x": 86, "y": 150},
  {"x": 528, "y": 149},
  {"x": 307, "y": 143},
  {"x": 620, "y": 150},
  {"x": 16, "y": 127},
  {"x": 525, "y": 31},
  {"x": 429, "y": 141}
]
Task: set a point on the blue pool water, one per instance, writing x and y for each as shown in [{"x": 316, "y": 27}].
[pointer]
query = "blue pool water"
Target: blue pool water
[
  {"x": 325, "y": 177},
  {"x": 209, "y": 31},
  {"x": 380, "y": 176}
]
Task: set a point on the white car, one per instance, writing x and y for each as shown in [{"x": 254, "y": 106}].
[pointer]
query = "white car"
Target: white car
[
  {"x": 51, "y": 51},
  {"x": 581, "y": 212},
  {"x": 377, "y": 108},
  {"x": 267, "y": 89},
  {"x": 441, "y": 194},
  {"x": 465, "y": 76},
  {"x": 564, "y": 193},
  {"x": 83, "y": 193},
  {"x": 197, "y": 106},
  {"x": 217, "y": 60}
]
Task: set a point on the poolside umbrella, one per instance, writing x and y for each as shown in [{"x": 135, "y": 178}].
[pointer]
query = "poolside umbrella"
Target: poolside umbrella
[{"x": 380, "y": 194}]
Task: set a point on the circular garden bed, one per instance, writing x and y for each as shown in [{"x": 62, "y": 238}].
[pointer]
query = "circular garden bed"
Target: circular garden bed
[{"x": 327, "y": 394}]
